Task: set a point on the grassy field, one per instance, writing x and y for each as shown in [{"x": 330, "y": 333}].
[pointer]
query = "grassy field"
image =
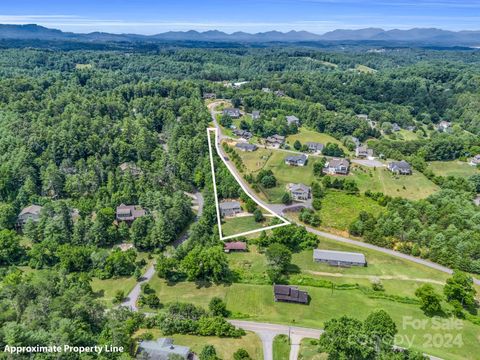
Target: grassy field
[
  {"x": 414, "y": 187},
  {"x": 340, "y": 209},
  {"x": 106, "y": 288},
  {"x": 281, "y": 348},
  {"x": 256, "y": 303},
  {"x": 225, "y": 347},
  {"x": 365, "y": 69},
  {"x": 306, "y": 135},
  {"x": 242, "y": 224},
  {"x": 452, "y": 168},
  {"x": 309, "y": 350}
]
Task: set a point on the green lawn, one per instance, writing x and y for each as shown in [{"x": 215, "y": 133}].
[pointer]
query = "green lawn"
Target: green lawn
[
  {"x": 309, "y": 350},
  {"x": 237, "y": 225},
  {"x": 225, "y": 347},
  {"x": 365, "y": 69},
  {"x": 257, "y": 302},
  {"x": 404, "y": 134},
  {"x": 305, "y": 135},
  {"x": 452, "y": 168},
  {"x": 281, "y": 348},
  {"x": 340, "y": 209},
  {"x": 106, "y": 288},
  {"x": 413, "y": 187}
]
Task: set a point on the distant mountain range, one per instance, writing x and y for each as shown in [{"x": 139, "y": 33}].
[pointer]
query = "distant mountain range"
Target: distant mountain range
[{"x": 422, "y": 36}]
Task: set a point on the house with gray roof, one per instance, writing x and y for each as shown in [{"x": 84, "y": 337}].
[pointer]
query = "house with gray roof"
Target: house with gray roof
[
  {"x": 315, "y": 147},
  {"x": 129, "y": 213},
  {"x": 475, "y": 160},
  {"x": 244, "y": 134},
  {"x": 255, "y": 115},
  {"x": 246, "y": 147},
  {"x": 293, "y": 120},
  {"x": 296, "y": 160},
  {"x": 162, "y": 349},
  {"x": 232, "y": 112},
  {"x": 209, "y": 95},
  {"x": 230, "y": 208},
  {"x": 339, "y": 258},
  {"x": 363, "y": 152},
  {"x": 396, "y": 127},
  {"x": 400, "y": 167},
  {"x": 337, "y": 166},
  {"x": 362, "y": 117},
  {"x": 299, "y": 192},
  {"x": 31, "y": 212},
  {"x": 275, "y": 141}
]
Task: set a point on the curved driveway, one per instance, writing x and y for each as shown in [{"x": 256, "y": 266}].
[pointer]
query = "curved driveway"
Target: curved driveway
[{"x": 278, "y": 209}]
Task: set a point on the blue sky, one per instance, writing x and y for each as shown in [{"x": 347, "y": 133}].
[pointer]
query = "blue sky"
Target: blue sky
[{"x": 318, "y": 16}]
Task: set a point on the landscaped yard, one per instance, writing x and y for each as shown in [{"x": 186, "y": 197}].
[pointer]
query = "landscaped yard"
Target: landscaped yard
[
  {"x": 413, "y": 187},
  {"x": 452, "y": 168},
  {"x": 237, "y": 225},
  {"x": 281, "y": 348},
  {"x": 305, "y": 135},
  {"x": 225, "y": 347},
  {"x": 340, "y": 209}
]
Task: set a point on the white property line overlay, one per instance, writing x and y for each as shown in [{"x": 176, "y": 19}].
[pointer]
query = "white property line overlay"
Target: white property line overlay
[{"x": 217, "y": 205}]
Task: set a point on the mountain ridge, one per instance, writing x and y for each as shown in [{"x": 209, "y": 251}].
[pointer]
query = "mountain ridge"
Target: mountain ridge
[{"x": 433, "y": 36}]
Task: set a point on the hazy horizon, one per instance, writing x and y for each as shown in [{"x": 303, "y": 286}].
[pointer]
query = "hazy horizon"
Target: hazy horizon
[{"x": 316, "y": 16}]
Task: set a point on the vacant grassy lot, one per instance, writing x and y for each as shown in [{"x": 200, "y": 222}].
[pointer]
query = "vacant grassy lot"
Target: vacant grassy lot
[
  {"x": 452, "y": 168},
  {"x": 365, "y": 69},
  {"x": 225, "y": 347},
  {"x": 305, "y": 135},
  {"x": 309, "y": 350},
  {"x": 106, "y": 288},
  {"x": 340, "y": 209},
  {"x": 281, "y": 348},
  {"x": 414, "y": 187},
  {"x": 257, "y": 302},
  {"x": 239, "y": 225}
]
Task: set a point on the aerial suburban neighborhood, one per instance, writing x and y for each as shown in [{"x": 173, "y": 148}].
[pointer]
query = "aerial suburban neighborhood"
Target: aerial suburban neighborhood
[{"x": 262, "y": 180}]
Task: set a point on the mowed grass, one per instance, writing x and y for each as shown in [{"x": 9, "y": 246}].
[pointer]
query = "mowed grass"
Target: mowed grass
[
  {"x": 413, "y": 187},
  {"x": 107, "y": 288},
  {"x": 340, "y": 209},
  {"x": 256, "y": 303},
  {"x": 305, "y": 135},
  {"x": 281, "y": 347},
  {"x": 225, "y": 347},
  {"x": 237, "y": 225},
  {"x": 309, "y": 350},
  {"x": 452, "y": 168}
]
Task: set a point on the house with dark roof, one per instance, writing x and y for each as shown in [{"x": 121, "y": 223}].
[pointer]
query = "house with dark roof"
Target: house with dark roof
[
  {"x": 396, "y": 127},
  {"x": 209, "y": 95},
  {"x": 230, "y": 208},
  {"x": 296, "y": 160},
  {"x": 315, "y": 147},
  {"x": 337, "y": 166},
  {"x": 246, "y": 147},
  {"x": 287, "y": 293},
  {"x": 244, "y": 134},
  {"x": 279, "y": 93},
  {"x": 232, "y": 112},
  {"x": 364, "y": 152},
  {"x": 299, "y": 192},
  {"x": 293, "y": 120},
  {"x": 400, "y": 167},
  {"x": 255, "y": 115},
  {"x": 31, "y": 212},
  {"x": 235, "y": 246},
  {"x": 129, "y": 213},
  {"x": 275, "y": 141},
  {"x": 339, "y": 258},
  {"x": 162, "y": 349}
]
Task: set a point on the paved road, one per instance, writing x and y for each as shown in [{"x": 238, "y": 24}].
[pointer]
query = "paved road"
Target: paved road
[
  {"x": 278, "y": 209},
  {"x": 132, "y": 298},
  {"x": 267, "y": 333}
]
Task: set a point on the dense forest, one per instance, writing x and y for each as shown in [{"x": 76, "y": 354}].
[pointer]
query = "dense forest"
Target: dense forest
[{"x": 84, "y": 131}]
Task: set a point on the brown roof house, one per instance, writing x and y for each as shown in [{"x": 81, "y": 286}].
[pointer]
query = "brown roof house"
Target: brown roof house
[
  {"x": 31, "y": 212},
  {"x": 286, "y": 293},
  {"x": 129, "y": 213},
  {"x": 235, "y": 246}
]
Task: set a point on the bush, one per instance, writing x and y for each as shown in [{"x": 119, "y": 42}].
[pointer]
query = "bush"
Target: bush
[
  {"x": 241, "y": 354},
  {"x": 218, "y": 307}
]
